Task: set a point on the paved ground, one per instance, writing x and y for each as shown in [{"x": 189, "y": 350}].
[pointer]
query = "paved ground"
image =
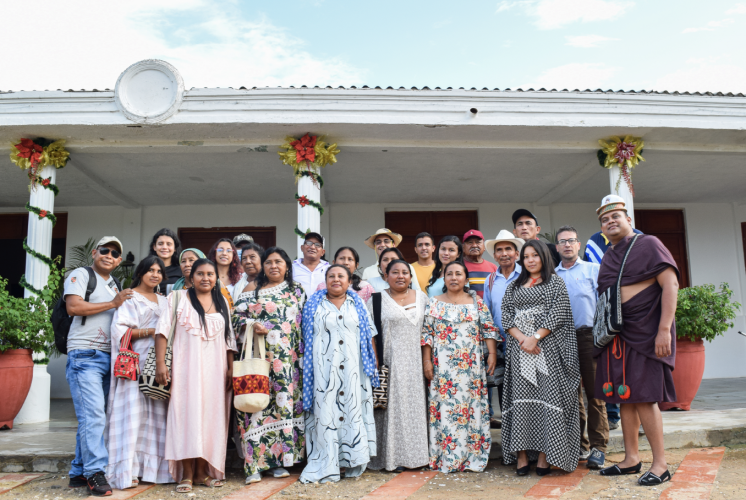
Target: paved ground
[{"x": 699, "y": 474}]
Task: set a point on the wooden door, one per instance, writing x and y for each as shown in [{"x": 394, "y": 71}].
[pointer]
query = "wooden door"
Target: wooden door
[
  {"x": 669, "y": 227},
  {"x": 13, "y": 229},
  {"x": 204, "y": 238},
  {"x": 437, "y": 223}
]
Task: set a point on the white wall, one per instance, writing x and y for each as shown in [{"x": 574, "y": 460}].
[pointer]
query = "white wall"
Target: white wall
[{"x": 713, "y": 238}]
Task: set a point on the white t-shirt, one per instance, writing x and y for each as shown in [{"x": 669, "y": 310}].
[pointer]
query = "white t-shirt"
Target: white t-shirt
[{"x": 96, "y": 333}]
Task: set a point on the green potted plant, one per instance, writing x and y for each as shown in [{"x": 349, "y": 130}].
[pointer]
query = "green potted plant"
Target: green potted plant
[
  {"x": 25, "y": 328},
  {"x": 702, "y": 313}
]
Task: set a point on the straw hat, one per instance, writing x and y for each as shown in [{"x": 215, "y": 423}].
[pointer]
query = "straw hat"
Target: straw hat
[
  {"x": 610, "y": 203},
  {"x": 388, "y": 232},
  {"x": 504, "y": 235}
]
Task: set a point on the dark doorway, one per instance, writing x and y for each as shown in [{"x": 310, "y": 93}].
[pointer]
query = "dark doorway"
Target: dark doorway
[
  {"x": 13, "y": 229},
  {"x": 205, "y": 237},
  {"x": 439, "y": 224},
  {"x": 670, "y": 228}
]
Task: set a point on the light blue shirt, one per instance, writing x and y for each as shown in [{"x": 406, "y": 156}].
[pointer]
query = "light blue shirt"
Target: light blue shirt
[
  {"x": 436, "y": 288},
  {"x": 581, "y": 281},
  {"x": 493, "y": 295}
]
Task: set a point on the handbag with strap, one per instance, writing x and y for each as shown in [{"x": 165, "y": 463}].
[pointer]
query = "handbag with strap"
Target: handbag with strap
[
  {"x": 251, "y": 377},
  {"x": 380, "y": 393},
  {"x": 607, "y": 322},
  {"x": 148, "y": 384},
  {"x": 127, "y": 364}
]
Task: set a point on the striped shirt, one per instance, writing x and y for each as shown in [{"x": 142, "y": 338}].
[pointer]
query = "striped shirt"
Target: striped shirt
[{"x": 478, "y": 274}]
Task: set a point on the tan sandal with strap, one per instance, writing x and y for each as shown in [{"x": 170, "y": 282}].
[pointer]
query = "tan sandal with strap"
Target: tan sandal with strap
[
  {"x": 183, "y": 487},
  {"x": 212, "y": 483}
]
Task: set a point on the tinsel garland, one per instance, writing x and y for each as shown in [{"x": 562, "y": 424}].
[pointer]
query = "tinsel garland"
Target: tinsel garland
[
  {"x": 47, "y": 184},
  {"x": 42, "y": 213},
  {"x": 303, "y": 201},
  {"x": 626, "y": 153},
  {"x": 315, "y": 176},
  {"x": 36, "y": 254},
  {"x": 301, "y": 233},
  {"x": 28, "y": 286}
]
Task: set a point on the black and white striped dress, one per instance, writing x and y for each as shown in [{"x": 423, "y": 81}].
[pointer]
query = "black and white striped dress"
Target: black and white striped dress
[{"x": 540, "y": 394}]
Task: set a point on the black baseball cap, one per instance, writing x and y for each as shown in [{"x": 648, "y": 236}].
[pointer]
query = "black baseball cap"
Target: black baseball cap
[
  {"x": 317, "y": 236},
  {"x": 520, "y": 213}
]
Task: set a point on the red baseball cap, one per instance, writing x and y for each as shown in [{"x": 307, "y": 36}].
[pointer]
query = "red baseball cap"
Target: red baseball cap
[{"x": 472, "y": 233}]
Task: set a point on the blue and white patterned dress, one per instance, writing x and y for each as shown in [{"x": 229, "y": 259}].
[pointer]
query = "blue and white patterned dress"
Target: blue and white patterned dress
[{"x": 341, "y": 431}]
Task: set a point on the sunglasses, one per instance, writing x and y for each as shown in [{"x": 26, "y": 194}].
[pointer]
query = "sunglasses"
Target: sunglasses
[{"x": 105, "y": 251}]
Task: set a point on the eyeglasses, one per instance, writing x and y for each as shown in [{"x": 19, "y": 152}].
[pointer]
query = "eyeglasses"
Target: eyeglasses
[
  {"x": 570, "y": 241},
  {"x": 385, "y": 241},
  {"x": 105, "y": 251},
  {"x": 221, "y": 250},
  {"x": 313, "y": 244}
]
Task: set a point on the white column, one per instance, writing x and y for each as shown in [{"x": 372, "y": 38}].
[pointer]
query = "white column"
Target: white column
[
  {"x": 309, "y": 218},
  {"x": 36, "y": 407},
  {"x": 614, "y": 177},
  {"x": 40, "y": 232}
]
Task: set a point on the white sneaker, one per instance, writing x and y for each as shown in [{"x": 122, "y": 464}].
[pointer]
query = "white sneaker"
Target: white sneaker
[
  {"x": 278, "y": 472},
  {"x": 584, "y": 454},
  {"x": 254, "y": 478}
]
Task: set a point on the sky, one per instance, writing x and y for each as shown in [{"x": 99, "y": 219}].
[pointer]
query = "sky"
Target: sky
[{"x": 685, "y": 45}]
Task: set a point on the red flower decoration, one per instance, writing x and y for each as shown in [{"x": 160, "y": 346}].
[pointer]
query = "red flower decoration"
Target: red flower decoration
[
  {"x": 46, "y": 182},
  {"x": 29, "y": 149},
  {"x": 625, "y": 152},
  {"x": 303, "y": 201},
  {"x": 304, "y": 148},
  {"x": 42, "y": 213}
]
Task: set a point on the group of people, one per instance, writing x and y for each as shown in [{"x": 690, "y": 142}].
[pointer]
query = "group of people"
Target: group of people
[{"x": 388, "y": 367}]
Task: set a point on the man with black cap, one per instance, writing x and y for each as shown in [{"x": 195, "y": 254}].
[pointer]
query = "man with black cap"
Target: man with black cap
[
  {"x": 526, "y": 227},
  {"x": 310, "y": 270}
]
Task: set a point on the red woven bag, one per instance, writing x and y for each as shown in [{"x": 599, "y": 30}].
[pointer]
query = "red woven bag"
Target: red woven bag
[{"x": 128, "y": 361}]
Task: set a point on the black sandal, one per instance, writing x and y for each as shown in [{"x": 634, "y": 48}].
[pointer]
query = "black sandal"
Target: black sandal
[
  {"x": 615, "y": 470},
  {"x": 650, "y": 479}
]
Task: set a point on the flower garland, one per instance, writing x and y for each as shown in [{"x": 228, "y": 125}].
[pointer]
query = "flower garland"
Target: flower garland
[
  {"x": 309, "y": 153},
  {"x": 626, "y": 153},
  {"x": 303, "y": 201},
  {"x": 35, "y": 155}
]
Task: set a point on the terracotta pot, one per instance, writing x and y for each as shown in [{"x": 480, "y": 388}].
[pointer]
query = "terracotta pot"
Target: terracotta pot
[
  {"x": 16, "y": 373},
  {"x": 687, "y": 376}
]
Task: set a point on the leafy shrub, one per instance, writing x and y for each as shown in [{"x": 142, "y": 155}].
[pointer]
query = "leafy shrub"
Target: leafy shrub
[{"x": 702, "y": 312}]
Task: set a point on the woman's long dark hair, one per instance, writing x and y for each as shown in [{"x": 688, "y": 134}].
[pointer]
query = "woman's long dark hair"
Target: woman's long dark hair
[
  {"x": 438, "y": 264},
  {"x": 217, "y": 298},
  {"x": 144, "y": 266},
  {"x": 547, "y": 268},
  {"x": 355, "y": 280},
  {"x": 466, "y": 272},
  {"x": 234, "y": 268},
  {"x": 261, "y": 278},
  {"x": 177, "y": 246},
  {"x": 395, "y": 250}
]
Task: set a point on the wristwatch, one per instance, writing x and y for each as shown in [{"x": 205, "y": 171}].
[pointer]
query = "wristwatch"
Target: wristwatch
[{"x": 537, "y": 336}]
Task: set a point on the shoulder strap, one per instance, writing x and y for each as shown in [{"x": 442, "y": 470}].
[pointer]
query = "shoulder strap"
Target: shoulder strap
[
  {"x": 626, "y": 254},
  {"x": 379, "y": 326},
  {"x": 177, "y": 297},
  {"x": 89, "y": 289}
]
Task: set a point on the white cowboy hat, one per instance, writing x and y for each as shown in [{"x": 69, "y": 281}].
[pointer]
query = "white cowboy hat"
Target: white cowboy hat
[
  {"x": 388, "y": 232},
  {"x": 503, "y": 235}
]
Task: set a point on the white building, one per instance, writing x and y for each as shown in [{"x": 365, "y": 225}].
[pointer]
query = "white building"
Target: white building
[{"x": 151, "y": 154}]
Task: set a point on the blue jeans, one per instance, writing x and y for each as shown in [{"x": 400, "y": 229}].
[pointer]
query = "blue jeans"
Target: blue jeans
[
  {"x": 88, "y": 374},
  {"x": 612, "y": 412}
]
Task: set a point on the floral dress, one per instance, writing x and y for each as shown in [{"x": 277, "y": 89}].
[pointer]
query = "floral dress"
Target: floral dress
[
  {"x": 274, "y": 437},
  {"x": 459, "y": 418}
]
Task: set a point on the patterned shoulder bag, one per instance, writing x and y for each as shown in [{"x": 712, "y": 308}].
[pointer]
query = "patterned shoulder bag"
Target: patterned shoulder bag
[
  {"x": 381, "y": 393},
  {"x": 148, "y": 384},
  {"x": 127, "y": 364}
]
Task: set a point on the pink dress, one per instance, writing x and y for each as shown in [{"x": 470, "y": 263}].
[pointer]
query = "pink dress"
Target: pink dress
[{"x": 200, "y": 405}]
